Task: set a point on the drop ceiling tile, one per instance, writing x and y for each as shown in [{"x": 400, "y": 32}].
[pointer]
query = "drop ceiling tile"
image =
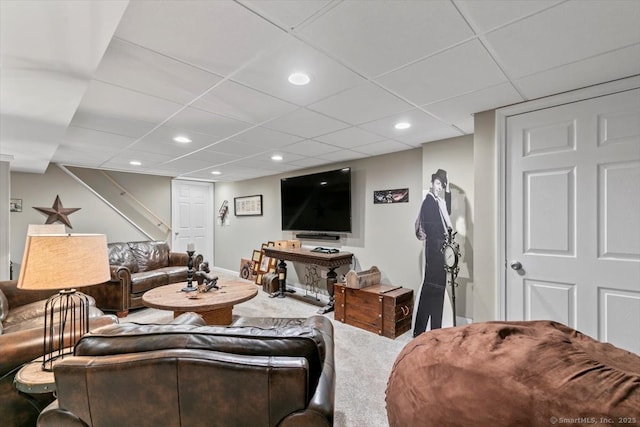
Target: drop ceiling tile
[
  {"x": 160, "y": 140},
  {"x": 459, "y": 110},
  {"x": 208, "y": 123},
  {"x": 445, "y": 75},
  {"x": 382, "y": 147},
  {"x": 342, "y": 155},
  {"x": 287, "y": 167},
  {"x": 350, "y": 137},
  {"x": 286, "y": 13},
  {"x": 200, "y": 160},
  {"x": 264, "y": 138},
  {"x": 305, "y": 123},
  {"x": 270, "y": 72},
  {"x": 109, "y": 124},
  {"x": 609, "y": 66},
  {"x": 360, "y": 104},
  {"x": 87, "y": 156},
  {"x": 228, "y": 172},
  {"x": 376, "y": 37},
  {"x": 117, "y": 102},
  {"x": 309, "y": 162},
  {"x": 488, "y": 14},
  {"x": 309, "y": 148},
  {"x": 148, "y": 160},
  {"x": 239, "y": 170},
  {"x": 218, "y": 36},
  {"x": 569, "y": 32},
  {"x": 82, "y": 137},
  {"x": 207, "y": 176},
  {"x": 423, "y": 128},
  {"x": 215, "y": 157},
  {"x": 235, "y": 148},
  {"x": 263, "y": 161},
  {"x": 145, "y": 71},
  {"x": 240, "y": 102},
  {"x": 162, "y": 172},
  {"x": 162, "y": 147}
]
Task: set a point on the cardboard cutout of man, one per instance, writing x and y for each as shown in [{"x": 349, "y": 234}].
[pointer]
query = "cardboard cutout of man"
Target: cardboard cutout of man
[{"x": 431, "y": 226}]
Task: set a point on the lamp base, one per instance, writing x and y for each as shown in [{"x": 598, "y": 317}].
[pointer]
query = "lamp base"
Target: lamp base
[
  {"x": 190, "y": 287},
  {"x": 66, "y": 321}
]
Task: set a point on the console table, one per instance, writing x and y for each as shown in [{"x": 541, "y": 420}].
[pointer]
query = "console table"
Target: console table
[{"x": 305, "y": 256}]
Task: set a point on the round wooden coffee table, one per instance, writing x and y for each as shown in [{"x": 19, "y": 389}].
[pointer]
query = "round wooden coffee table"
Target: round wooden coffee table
[{"x": 215, "y": 306}]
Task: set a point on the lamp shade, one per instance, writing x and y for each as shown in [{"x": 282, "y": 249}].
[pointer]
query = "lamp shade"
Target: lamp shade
[{"x": 64, "y": 261}]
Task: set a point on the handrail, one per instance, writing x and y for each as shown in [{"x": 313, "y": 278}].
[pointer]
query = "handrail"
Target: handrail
[
  {"x": 81, "y": 182},
  {"x": 125, "y": 192}
]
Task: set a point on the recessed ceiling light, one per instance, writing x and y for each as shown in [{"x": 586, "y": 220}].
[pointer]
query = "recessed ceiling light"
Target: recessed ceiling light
[
  {"x": 299, "y": 79},
  {"x": 216, "y": 172},
  {"x": 135, "y": 163},
  {"x": 276, "y": 157},
  {"x": 402, "y": 125},
  {"x": 182, "y": 139}
]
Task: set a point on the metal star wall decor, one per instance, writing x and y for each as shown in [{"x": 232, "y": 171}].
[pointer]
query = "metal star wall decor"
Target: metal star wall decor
[{"x": 58, "y": 213}]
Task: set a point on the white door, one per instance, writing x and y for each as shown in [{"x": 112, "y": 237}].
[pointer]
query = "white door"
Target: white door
[
  {"x": 192, "y": 217},
  {"x": 573, "y": 217}
]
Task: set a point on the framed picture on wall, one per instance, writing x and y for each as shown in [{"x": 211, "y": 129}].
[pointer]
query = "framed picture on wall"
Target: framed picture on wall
[
  {"x": 247, "y": 205},
  {"x": 15, "y": 205}
]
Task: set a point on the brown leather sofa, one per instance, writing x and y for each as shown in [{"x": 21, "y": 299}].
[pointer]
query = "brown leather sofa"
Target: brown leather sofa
[
  {"x": 137, "y": 267},
  {"x": 21, "y": 328},
  {"x": 255, "y": 372}
]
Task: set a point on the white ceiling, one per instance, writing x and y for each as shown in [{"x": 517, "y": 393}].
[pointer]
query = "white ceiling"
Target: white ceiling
[{"x": 100, "y": 83}]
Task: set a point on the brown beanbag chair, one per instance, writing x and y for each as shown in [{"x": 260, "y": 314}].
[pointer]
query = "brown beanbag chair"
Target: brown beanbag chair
[{"x": 536, "y": 373}]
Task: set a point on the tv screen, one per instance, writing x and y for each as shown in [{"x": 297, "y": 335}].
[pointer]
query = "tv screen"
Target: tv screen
[{"x": 317, "y": 202}]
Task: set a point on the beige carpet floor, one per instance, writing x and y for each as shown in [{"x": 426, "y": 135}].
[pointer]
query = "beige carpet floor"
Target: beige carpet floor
[{"x": 363, "y": 359}]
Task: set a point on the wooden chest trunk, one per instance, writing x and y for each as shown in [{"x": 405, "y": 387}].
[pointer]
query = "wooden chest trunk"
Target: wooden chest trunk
[
  {"x": 270, "y": 283},
  {"x": 382, "y": 309}
]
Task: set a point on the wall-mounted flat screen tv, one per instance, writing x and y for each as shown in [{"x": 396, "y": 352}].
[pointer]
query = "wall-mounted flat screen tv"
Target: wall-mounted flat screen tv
[{"x": 317, "y": 202}]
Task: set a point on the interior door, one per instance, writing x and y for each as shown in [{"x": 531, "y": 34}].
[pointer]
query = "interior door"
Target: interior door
[
  {"x": 573, "y": 217},
  {"x": 192, "y": 217}
]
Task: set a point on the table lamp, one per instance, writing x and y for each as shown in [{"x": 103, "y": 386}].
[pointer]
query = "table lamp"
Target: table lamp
[{"x": 62, "y": 262}]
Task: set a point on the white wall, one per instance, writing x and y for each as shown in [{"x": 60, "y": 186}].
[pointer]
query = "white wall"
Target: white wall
[
  {"x": 486, "y": 209},
  {"x": 383, "y": 234},
  {"x": 40, "y": 190},
  {"x": 5, "y": 232}
]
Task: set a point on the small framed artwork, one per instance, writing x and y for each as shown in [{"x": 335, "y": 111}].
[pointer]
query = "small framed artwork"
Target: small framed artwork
[
  {"x": 267, "y": 264},
  {"x": 247, "y": 205},
  {"x": 400, "y": 195},
  {"x": 15, "y": 205},
  {"x": 247, "y": 269},
  {"x": 256, "y": 259},
  {"x": 262, "y": 263}
]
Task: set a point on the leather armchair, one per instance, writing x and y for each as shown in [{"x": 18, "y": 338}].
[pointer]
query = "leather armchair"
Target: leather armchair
[
  {"x": 257, "y": 372},
  {"x": 21, "y": 328}
]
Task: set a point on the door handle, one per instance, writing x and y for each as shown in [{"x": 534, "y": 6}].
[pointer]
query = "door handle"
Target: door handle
[{"x": 516, "y": 265}]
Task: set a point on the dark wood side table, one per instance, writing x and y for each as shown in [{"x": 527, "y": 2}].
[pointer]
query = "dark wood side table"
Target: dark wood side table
[{"x": 306, "y": 256}]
